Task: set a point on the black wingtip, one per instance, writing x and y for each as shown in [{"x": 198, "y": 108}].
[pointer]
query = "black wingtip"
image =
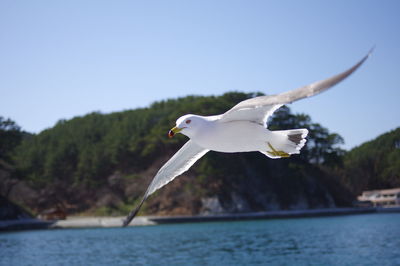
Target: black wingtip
[{"x": 132, "y": 214}]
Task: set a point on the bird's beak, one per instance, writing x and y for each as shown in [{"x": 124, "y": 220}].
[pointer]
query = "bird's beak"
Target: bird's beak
[{"x": 173, "y": 131}]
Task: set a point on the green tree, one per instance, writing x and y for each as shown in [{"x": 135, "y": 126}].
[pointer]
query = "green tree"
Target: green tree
[
  {"x": 89, "y": 148},
  {"x": 10, "y": 137},
  {"x": 322, "y": 147},
  {"x": 374, "y": 164},
  {"x": 80, "y": 156}
]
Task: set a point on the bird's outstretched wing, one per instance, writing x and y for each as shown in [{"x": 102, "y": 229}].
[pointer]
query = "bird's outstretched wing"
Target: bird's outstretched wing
[
  {"x": 258, "y": 109},
  {"x": 179, "y": 163}
]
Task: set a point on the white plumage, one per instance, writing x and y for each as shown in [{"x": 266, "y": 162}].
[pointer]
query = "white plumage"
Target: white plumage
[{"x": 243, "y": 128}]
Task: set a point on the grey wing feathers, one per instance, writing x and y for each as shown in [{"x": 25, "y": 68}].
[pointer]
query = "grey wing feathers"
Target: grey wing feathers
[
  {"x": 271, "y": 102},
  {"x": 179, "y": 163}
]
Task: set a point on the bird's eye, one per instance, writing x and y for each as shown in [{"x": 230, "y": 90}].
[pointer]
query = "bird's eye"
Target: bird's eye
[{"x": 188, "y": 121}]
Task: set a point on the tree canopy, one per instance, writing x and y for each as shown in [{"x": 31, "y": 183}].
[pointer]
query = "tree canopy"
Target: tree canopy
[
  {"x": 10, "y": 137},
  {"x": 107, "y": 160},
  {"x": 374, "y": 164},
  {"x": 89, "y": 148}
]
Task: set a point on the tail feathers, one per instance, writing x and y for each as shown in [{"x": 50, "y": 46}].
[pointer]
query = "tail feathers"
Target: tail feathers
[
  {"x": 297, "y": 136},
  {"x": 286, "y": 142}
]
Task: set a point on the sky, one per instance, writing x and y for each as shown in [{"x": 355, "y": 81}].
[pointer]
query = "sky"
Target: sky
[{"x": 61, "y": 59}]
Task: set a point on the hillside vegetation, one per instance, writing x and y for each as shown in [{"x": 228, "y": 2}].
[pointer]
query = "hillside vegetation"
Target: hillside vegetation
[
  {"x": 102, "y": 164},
  {"x": 374, "y": 164}
]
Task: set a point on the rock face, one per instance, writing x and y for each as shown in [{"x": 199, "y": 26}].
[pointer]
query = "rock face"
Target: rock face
[
  {"x": 217, "y": 183},
  {"x": 10, "y": 211},
  {"x": 243, "y": 183},
  {"x": 211, "y": 205},
  {"x": 8, "y": 186},
  {"x": 248, "y": 183}
]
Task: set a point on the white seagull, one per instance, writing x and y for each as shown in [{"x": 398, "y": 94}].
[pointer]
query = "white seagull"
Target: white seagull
[{"x": 243, "y": 128}]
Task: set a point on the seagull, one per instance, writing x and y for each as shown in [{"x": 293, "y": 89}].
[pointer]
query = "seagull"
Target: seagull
[{"x": 243, "y": 128}]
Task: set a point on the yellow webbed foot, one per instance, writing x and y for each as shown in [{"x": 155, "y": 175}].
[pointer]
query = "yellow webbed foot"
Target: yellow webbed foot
[{"x": 277, "y": 153}]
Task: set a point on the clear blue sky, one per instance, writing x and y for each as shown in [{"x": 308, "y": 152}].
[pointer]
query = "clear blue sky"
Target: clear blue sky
[{"x": 60, "y": 59}]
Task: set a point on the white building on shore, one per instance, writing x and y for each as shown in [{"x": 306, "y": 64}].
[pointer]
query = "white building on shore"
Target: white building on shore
[{"x": 381, "y": 198}]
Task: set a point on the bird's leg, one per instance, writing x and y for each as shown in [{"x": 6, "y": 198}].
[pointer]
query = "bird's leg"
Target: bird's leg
[{"x": 277, "y": 153}]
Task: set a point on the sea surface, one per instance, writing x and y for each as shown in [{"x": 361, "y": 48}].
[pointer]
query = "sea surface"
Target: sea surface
[{"x": 369, "y": 239}]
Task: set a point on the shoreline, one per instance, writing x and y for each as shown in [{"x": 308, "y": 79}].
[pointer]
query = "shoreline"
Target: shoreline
[{"x": 109, "y": 222}]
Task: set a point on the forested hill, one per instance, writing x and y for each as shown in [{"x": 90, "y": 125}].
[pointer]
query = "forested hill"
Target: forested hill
[
  {"x": 374, "y": 164},
  {"x": 102, "y": 164}
]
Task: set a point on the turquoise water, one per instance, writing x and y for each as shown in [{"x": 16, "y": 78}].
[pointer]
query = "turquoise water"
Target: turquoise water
[{"x": 344, "y": 240}]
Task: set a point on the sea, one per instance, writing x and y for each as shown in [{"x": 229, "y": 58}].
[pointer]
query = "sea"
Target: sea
[{"x": 368, "y": 239}]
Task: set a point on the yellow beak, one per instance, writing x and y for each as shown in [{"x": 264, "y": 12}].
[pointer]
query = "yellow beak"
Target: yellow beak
[{"x": 173, "y": 131}]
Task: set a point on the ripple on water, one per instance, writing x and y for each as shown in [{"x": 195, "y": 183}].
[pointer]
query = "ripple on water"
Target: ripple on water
[{"x": 344, "y": 240}]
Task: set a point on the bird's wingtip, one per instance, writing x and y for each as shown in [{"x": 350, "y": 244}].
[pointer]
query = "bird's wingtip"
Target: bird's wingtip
[
  {"x": 371, "y": 51},
  {"x": 132, "y": 214}
]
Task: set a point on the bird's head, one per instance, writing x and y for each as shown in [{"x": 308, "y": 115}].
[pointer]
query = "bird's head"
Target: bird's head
[{"x": 187, "y": 125}]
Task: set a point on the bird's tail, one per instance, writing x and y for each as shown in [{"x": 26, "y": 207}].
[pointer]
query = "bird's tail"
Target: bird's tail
[{"x": 285, "y": 142}]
